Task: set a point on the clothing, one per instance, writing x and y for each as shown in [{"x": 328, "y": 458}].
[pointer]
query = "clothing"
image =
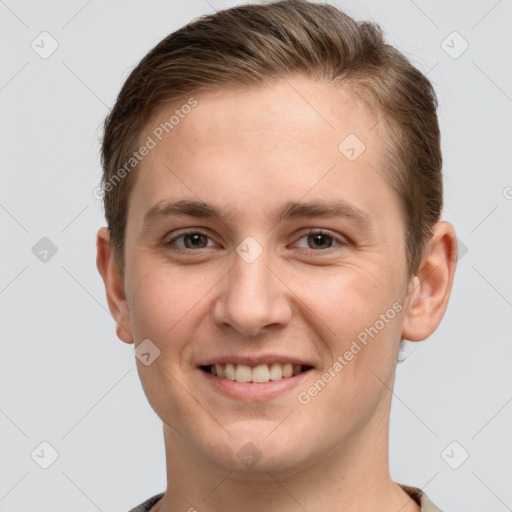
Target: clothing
[
  {"x": 420, "y": 498},
  {"x": 144, "y": 507},
  {"x": 416, "y": 494}
]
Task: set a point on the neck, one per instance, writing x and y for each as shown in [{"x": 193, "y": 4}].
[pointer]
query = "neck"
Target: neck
[{"x": 349, "y": 478}]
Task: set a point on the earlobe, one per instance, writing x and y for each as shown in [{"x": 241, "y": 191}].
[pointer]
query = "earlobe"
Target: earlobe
[
  {"x": 114, "y": 286},
  {"x": 430, "y": 288}
]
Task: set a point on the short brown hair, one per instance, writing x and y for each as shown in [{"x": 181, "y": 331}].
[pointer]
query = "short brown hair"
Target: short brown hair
[{"x": 254, "y": 45}]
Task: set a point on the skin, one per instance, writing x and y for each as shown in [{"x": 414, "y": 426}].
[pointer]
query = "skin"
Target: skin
[{"x": 249, "y": 152}]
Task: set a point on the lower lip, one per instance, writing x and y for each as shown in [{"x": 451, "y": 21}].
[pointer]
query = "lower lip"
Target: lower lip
[{"x": 253, "y": 391}]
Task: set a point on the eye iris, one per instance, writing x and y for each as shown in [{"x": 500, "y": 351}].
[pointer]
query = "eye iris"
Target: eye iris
[
  {"x": 318, "y": 238},
  {"x": 197, "y": 238}
]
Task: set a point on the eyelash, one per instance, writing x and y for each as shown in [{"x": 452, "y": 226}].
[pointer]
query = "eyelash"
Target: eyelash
[{"x": 340, "y": 241}]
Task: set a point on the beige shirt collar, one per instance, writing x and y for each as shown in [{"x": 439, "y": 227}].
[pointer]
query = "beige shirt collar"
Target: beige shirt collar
[{"x": 420, "y": 498}]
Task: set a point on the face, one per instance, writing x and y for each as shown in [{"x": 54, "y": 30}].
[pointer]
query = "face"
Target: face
[{"x": 292, "y": 260}]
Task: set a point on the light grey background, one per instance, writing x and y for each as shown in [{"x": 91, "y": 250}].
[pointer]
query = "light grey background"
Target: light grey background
[{"x": 67, "y": 380}]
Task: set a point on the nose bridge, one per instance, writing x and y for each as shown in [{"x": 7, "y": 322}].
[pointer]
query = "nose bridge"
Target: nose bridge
[{"x": 253, "y": 297}]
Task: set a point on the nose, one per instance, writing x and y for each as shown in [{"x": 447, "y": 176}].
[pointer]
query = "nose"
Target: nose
[{"x": 254, "y": 298}]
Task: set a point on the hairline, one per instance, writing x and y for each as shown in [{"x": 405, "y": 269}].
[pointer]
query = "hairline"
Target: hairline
[{"x": 374, "y": 114}]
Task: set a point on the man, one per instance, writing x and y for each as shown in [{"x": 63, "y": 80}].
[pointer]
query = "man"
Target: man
[{"x": 273, "y": 189}]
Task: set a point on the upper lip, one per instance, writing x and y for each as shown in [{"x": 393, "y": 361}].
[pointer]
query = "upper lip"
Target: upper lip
[{"x": 255, "y": 360}]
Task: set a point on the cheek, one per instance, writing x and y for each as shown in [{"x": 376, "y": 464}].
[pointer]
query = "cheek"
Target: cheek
[
  {"x": 357, "y": 315},
  {"x": 167, "y": 298},
  {"x": 361, "y": 357},
  {"x": 348, "y": 298}
]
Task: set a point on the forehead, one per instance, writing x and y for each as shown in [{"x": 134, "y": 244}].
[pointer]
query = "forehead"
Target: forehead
[
  {"x": 296, "y": 109},
  {"x": 297, "y": 136}
]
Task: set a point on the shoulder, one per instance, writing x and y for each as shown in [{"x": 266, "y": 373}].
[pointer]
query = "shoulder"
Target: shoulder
[{"x": 416, "y": 494}]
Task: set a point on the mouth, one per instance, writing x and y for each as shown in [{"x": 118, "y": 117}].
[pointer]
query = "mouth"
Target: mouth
[{"x": 258, "y": 374}]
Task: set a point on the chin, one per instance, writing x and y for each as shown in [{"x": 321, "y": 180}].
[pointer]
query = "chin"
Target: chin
[{"x": 252, "y": 452}]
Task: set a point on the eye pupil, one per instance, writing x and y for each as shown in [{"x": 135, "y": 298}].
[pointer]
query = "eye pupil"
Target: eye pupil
[
  {"x": 319, "y": 238},
  {"x": 315, "y": 240},
  {"x": 195, "y": 239}
]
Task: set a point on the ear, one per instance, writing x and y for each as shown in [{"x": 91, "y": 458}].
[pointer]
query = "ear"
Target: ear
[
  {"x": 430, "y": 289},
  {"x": 114, "y": 286}
]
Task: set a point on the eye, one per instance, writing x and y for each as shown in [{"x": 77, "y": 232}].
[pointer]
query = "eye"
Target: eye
[
  {"x": 191, "y": 240},
  {"x": 315, "y": 241},
  {"x": 321, "y": 240}
]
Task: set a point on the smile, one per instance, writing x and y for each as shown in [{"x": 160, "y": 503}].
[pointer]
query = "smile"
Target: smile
[{"x": 255, "y": 374}]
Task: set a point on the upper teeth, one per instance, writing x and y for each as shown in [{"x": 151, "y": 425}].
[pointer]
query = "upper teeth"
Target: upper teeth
[{"x": 260, "y": 373}]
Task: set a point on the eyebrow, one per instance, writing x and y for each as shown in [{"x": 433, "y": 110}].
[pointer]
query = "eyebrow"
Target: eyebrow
[{"x": 290, "y": 210}]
